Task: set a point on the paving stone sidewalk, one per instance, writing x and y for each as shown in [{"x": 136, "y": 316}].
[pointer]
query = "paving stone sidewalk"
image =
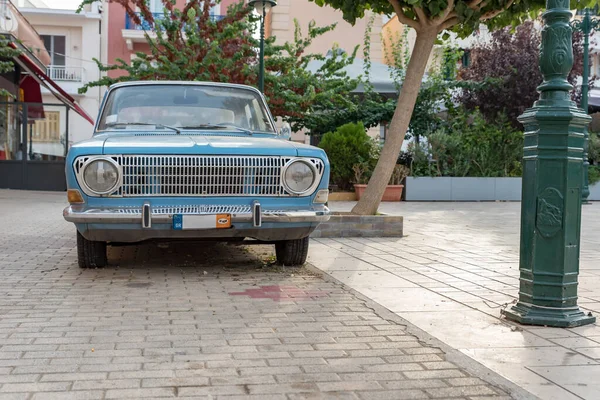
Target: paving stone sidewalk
[
  {"x": 198, "y": 321},
  {"x": 453, "y": 273}
]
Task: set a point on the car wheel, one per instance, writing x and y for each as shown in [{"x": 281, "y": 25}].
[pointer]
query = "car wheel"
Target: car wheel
[
  {"x": 292, "y": 252},
  {"x": 90, "y": 254}
]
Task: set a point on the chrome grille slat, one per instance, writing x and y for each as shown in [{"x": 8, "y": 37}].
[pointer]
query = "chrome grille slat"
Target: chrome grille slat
[
  {"x": 195, "y": 210},
  {"x": 206, "y": 176}
]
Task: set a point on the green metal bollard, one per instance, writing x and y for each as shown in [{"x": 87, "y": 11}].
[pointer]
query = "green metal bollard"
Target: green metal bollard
[{"x": 552, "y": 187}]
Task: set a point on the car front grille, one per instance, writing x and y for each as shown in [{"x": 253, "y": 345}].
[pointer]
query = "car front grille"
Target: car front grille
[
  {"x": 196, "y": 210},
  {"x": 159, "y": 175}
]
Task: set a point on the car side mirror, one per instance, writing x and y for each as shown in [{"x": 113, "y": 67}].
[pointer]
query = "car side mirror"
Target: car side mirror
[{"x": 286, "y": 131}]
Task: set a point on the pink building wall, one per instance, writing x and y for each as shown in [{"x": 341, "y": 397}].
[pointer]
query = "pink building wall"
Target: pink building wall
[{"x": 117, "y": 45}]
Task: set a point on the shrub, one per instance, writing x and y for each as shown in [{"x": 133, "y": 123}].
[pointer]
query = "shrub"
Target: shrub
[
  {"x": 469, "y": 146},
  {"x": 347, "y": 146},
  {"x": 509, "y": 63},
  {"x": 364, "y": 170},
  {"x": 593, "y": 174},
  {"x": 594, "y": 148}
]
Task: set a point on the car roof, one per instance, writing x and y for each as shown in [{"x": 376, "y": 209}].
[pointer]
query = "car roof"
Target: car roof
[{"x": 193, "y": 83}]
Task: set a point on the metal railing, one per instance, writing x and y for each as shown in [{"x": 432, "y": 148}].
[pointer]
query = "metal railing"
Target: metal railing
[
  {"x": 65, "y": 73},
  {"x": 146, "y": 25}
]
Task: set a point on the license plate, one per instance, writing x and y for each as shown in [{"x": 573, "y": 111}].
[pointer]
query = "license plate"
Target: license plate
[{"x": 219, "y": 221}]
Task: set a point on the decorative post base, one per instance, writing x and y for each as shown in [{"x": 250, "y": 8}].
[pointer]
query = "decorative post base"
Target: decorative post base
[
  {"x": 528, "y": 314},
  {"x": 551, "y": 215}
]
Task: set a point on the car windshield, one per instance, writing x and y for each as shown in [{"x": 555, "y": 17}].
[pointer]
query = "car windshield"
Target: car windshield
[{"x": 180, "y": 107}]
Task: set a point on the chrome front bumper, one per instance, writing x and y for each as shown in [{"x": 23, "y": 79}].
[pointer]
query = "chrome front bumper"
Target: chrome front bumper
[{"x": 146, "y": 217}]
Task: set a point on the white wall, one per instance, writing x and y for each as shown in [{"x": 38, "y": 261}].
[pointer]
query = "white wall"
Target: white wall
[
  {"x": 83, "y": 43},
  {"x": 345, "y": 35}
]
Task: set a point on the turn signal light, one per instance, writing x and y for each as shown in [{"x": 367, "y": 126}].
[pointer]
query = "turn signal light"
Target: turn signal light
[
  {"x": 74, "y": 196},
  {"x": 322, "y": 196}
]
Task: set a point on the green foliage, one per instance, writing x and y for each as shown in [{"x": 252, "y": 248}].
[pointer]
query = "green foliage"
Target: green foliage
[
  {"x": 594, "y": 157},
  {"x": 463, "y": 17},
  {"x": 189, "y": 45},
  {"x": 7, "y": 53},
  {"x": 368, "y": 108},
  {"x": 181, "y": 51},
  {"x": 300, "y": 96},
  {"x": 371, "y": 109},
  {"x": 593, "y": 174},
  {"x": 434, "y": 96},
  {"x": 510, "y": 59},
  {"x": 364, "y": 170},
  {"x": 469, "y": 146},
  {"x": 347, "y": 146},
  {"x": 594, "y": 147}
]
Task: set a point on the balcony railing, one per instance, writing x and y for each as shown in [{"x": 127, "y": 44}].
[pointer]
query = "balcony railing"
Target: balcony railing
[
  {"x": 146, "y": 25},
  {"x": 65, "y": 73}
]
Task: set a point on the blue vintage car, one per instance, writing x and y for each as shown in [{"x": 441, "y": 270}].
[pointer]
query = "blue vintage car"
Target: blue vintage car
[{"x": 197, "y": 161}]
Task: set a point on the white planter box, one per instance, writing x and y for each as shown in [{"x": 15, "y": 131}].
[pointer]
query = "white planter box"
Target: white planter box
[
  {"x": 463, "y": 189},
  {"x": 471, "y": 189},
  {"x": 595, "y": 192}
]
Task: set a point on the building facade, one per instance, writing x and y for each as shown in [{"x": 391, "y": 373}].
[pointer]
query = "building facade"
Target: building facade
[
  {"x": 72, "y": 41},
  {"x": 346, "y": 36},
  {"x": 34, "y": 107}
]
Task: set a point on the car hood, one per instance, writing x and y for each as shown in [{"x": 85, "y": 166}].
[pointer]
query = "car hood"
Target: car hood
[{"x": 198, "y": 144}]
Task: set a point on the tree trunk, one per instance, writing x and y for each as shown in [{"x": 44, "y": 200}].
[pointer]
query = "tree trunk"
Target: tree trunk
[{"x": 369, "y": 202}]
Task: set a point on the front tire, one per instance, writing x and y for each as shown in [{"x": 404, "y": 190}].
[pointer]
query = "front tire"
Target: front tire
[
  {"x": 90, "y": 254},
  {"x": 292, "y": 252}
]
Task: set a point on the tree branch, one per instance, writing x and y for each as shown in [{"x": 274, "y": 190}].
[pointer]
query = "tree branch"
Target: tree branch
[
  {"x": 474, "y": 3},
  {"x": 401, "y": 16},
  {"x": 481, "y": 6},
  {"x": 492, "y": 14},
  {"x": 440, "y": 19},
  {"x": 448, "y": 23},
  {"x": 421, "y": 15}
]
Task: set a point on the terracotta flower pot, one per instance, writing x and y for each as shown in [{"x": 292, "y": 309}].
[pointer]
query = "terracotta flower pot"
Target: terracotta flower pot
[{"x": 392, "y": 192}]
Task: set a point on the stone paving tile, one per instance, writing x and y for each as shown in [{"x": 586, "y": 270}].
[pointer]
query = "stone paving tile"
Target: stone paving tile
[
  {"x": 463, "y": 259},
  {"x": 160, "y": 322}
]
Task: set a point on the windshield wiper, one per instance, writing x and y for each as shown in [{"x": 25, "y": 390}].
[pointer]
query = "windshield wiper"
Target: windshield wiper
[
  {"x": 159, "y": 126},
  {"x": 214, "y": 126}
]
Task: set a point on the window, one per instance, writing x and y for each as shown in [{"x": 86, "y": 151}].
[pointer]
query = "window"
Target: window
[
  {"x": 449, "y": 65},
  {"x": 156, "y": 6},
  {"x": 56, "y": 46},
  {"x": 466, "y": 58},
  {"x": 48, "y": 129},
  {"x": 186, "y": 107}
]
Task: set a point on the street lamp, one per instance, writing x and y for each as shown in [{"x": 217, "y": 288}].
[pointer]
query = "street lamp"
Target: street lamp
[
  {"x": 262, "y": 7},
  {"x": 586, "y": 26},
  {"x": 552, "y": 183}
]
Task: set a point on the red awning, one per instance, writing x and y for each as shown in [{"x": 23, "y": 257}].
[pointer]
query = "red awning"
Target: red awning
[
  {"x": 43, "y": 79},
  {"x": 32, "y": 94}
]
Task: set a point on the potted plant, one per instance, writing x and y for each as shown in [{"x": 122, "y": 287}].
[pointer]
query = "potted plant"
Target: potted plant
[{"x": 393, "y": 191}]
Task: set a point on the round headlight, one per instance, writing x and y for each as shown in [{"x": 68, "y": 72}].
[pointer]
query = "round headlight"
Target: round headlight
[
  {"x": 299, "y": 177},
  {"x": 101, "y": 176}
]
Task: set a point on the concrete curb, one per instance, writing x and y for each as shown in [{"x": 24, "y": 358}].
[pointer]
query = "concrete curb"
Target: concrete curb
[
  {"x": 453, "y": 355},
  {"x": 350, "y": 225}
]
